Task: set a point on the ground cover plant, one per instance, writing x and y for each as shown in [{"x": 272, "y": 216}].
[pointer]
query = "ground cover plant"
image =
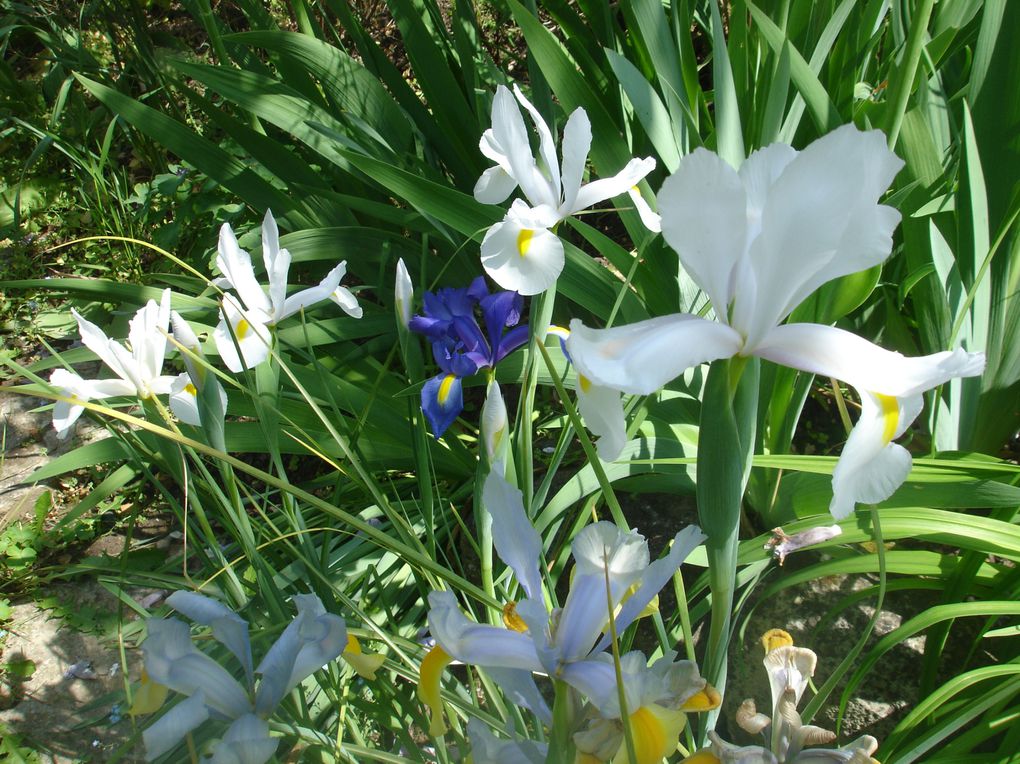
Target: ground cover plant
[{"x": 521, "y": 266}]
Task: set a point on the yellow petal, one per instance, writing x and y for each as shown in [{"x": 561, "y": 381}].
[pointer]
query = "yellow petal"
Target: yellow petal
[
  {"x": 774, "y": 639},
  {"x": 656, "y": 731},
  {"x": 149, "y": 697},
  {"x": 366, "y": 664},
  {"x": 705, "y": 700},
  {"x": 430, "y": 676}
]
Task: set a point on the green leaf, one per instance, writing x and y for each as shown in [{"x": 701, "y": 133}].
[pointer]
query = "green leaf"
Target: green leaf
[{"x": 191, "y": 147}]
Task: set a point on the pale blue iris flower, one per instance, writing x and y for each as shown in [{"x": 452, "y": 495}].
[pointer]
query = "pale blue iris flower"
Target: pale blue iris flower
[
  {"x": 311, "y": 640},
  {"x": 613, "y": 570}
]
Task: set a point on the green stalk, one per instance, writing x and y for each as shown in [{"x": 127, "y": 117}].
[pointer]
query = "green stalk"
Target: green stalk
[
  {"x": 725, "y": 448},
  {"x": 541, "y": 315},
  {"x": 561, "y": 742},
  {"x": 901, "y": 85}
]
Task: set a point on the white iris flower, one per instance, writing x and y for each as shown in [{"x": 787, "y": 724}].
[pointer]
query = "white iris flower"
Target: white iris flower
[
  {"x": 184, "y": 393},
  {"x": 759, "y": 241},
  {"x": 249, "y": 315},
  {"x": 138, "y": 366},
  {"x": 521, "y": 252},
  {"x": 311, "y": 640}
]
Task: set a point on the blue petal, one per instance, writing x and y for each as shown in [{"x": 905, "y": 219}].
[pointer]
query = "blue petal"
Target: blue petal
[
  {"x": 172, "y": 726},
  {"x": 227, "y": 627},
  {"x": 478, "y": 290},
  {"x": 510, "y": 341},
  {"x": 246, "y": 742},
  {"x": 442, "y": 400}
]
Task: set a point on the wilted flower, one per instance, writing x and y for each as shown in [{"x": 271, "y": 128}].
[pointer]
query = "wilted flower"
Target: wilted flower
[
  {"x": 759, "y": 241},
  {"x": 521, "y": 252},
  {"x": 249, "y": 315},
  {"x": 138, "y": 366},
  {"x": 789, "y": 669},
  {"x": 781, "y": 544}
]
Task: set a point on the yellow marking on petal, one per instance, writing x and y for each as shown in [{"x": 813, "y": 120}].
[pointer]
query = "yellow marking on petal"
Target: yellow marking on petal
[
  {"x": 587, "y": 758},
  {"x": 704, "y": 700},
  {"x": 444, "y": 388},
  {"x": 190, "y": 389},
  {"x": 366, "y": 664},
  {"x": 558, "y": 331},
  {"x": 149, "y": 697},
  {"x": 773, "y": 639},
  {"x": 511, "y": 620},
  {"x": 585, "y": 383},
  {"x": 241, "y": 329},
  {"x": 524, "y": 241},
  {"x": 890, "y": 416},
  {"x": 656, "y": 732},
  {"x": 702, "y": 757},
  {"x": 430, "y": 676},
  {"x": 635, "y": 190}
]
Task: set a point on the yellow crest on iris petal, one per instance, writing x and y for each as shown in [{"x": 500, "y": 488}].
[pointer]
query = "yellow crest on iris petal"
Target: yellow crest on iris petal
[
  {"x": 511, "y": 620},
  {"x": 703, "y": 700},
  {"x": 890, "y": 416},
  {"x": 149, "y": 697},
  {"x": 365, "y": 664},
  {"x": 524, "y": 241},
  {"x": 444, "y": 388},
  {"x": 430, "y": 676},
  {"x": 656, "y": 732}
]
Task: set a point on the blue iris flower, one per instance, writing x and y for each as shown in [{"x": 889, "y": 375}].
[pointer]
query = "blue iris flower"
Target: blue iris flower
[{"x": 460, "y": 346}]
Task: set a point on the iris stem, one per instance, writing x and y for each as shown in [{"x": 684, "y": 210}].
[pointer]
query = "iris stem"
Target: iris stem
[
  {"x": 725, "y": 447},
  {"x": 541, "y": 315}
]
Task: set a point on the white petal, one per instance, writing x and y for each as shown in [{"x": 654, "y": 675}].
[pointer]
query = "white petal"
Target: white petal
[
  {"x": 871, "y": 467},
  {"x": 547, "y": 180},
  {"x": 403, "y": 293},
  {"x": 824, "y": 191},
  {"x": 171, "y": 727},
  {"x": 510, "y": 135},
  {"x": 235, "y": 265},
  {"x": 704, "y": 219},
  {"x": 343, "y": 297},
  {"x": 652, "y": 221},
  {"x": 494, "y": 186},
  {"x": 517, "y": 542},
  {"x": 184, "y": 401},
  {"x": 642, "y": 357},
  {"x": 656, "y": 576},
  {"x": 493, "y": 424},
  {"x": 308, "y": 297},
  {"x": 837, "y": 353},
  {"x": 66, "y": 413},
  {"x": 251, "y": 331},
  {"x": 478, "y": 644},
  {"x": 147, "y": 336},
  {"x": 605, "y": 556},
  {"x": 576, "y": 144},
  {"x": 606, "y": 188},
  {"x": 276, "y": 261},
  {"x": 520, "y": 258},
  {"x": 95, "y": 339},
  {"x": 602, "y": 411}
]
